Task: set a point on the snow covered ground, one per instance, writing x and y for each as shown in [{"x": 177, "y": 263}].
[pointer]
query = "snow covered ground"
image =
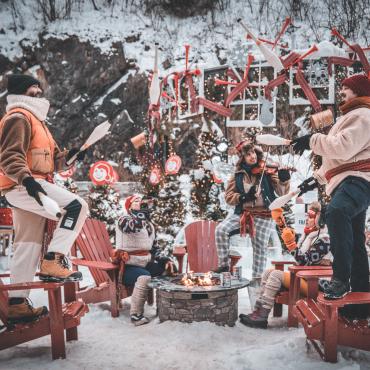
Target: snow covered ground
[{"x": 106, "y": 343}]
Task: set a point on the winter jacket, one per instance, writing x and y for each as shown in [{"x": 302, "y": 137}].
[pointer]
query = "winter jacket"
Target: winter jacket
[
  {"x": 232, "y": 194},
  {"x": 348, "y": 141},
  {"x": 27, "y": 148},
  {"x": 313, "y": 248}
]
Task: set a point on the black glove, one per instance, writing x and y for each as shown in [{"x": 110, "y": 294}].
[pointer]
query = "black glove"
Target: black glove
[
  {"x": 300, "y": 144},
  {"x": 73, "y": 151},
  {"x": 33, "y": 188},
  {"x": 307, "y": 185},
  {"x": 283, "y": 175},
  {"x": 250, "y": 196}
]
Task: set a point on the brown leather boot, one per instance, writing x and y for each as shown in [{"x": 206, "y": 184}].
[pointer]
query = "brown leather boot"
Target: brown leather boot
[
  {"x": 21, "y": 310},
  {"x": 55, "y": 267},
  {"x": 257, "y": 319}
]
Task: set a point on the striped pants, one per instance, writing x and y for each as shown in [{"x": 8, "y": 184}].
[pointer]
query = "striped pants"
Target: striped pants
[{"x": 263, "y": 227}]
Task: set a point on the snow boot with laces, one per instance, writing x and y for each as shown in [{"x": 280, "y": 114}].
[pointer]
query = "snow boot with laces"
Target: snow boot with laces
[
  {"x": 55, "y": 268},
  {"x": 257, "y": 319},
  {"x": 21, "y": 310}
]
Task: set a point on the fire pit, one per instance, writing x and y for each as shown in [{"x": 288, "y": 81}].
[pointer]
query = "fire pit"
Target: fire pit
[{"x": 197, "y": 297}]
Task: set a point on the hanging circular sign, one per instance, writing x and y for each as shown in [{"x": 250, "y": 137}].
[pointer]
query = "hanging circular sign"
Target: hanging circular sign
[
  {"x": 155, "y": 176},
  {"x": 217, "y": 180},
  {"x": 67, "y": 173},
  {"x": 173, "y": 165},
  {"x": 102, "y": 173}
]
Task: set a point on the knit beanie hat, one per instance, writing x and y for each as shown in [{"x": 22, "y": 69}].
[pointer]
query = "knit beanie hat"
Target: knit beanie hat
[
  {"x": 18, "y": 84},
  {"x": 359, "y": 84},
  {"x": 129, "y": 200},
  {"x": 244, "y": 147}
]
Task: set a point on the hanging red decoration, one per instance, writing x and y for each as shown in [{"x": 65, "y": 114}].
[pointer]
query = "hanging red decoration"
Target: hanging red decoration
[
  {"x": 217, "y": 180},
  {"x": 102, "y": 173},
  {"x": 155, "y": 176},
  {"x": 173, "y": 164}
]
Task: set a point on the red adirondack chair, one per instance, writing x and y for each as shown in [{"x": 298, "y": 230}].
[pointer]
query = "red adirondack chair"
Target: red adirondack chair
[
  {"x": 324, "y": 328},
  {"x": 290, "y": 297},
  {"x": 94, "y": 244},
  {"x": 61, "y": 317},
  {"x": 201, "y": 246}
]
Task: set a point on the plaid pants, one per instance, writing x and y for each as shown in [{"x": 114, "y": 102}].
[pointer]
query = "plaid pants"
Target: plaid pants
[{"x": 263, "y": 227}]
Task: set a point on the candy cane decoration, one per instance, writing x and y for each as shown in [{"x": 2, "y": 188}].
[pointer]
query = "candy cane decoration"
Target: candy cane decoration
[
  {"x": 187, "y": 47},
  {"x": 287, "y": 22}
]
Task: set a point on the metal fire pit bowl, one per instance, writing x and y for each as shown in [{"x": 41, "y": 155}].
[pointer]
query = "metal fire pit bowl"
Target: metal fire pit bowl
[{"x": 214, "y": 303}]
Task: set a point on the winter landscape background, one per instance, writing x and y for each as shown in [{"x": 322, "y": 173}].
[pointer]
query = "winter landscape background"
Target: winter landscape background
[{"x": 94, "y": 58}]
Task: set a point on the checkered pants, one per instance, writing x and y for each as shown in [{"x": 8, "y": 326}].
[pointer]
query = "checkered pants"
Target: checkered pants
[{"x": 263, "y": 227}]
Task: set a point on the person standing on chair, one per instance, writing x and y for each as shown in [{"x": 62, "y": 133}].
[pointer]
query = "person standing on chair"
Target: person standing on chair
[
  {"x": 345, "y": 170},
  {"x": 251, "y": 213},
  {"x": 28, "y": 158}
]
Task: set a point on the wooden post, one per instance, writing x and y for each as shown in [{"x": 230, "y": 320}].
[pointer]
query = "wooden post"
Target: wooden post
[
  {"x": 70, "y": 296},
  {"x": 58, "y": 348}
]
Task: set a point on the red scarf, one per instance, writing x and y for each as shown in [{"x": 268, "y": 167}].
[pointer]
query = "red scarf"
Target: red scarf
[{"x": 359, "y": 102}]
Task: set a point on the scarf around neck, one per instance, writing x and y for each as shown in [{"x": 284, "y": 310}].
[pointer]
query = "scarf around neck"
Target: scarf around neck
[
  {"x": 39, "y": 107},
  {"x": 267, "y": 190},
  {"x": 355, "y": 103}
]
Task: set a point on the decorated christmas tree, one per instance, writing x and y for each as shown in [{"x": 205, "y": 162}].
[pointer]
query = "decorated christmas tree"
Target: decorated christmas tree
[
  {"x": 104, "y": 205},
  {"x": 205, "y": 203},
  {"x": 169, "y": 212}
]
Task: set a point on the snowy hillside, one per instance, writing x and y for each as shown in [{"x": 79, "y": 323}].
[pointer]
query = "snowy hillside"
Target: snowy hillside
[{"x": 211, "y": 35}]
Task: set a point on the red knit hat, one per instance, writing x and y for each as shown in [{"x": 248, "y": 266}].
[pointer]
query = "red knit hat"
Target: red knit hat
[
  {"x": 359, "y": 84},
  {"x": 129, "y": 200}
]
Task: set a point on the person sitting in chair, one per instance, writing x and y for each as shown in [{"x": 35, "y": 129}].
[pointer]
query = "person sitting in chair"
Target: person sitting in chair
[
  {"x": 135, "y": 237},
  {"x": 313, "y": 249}
]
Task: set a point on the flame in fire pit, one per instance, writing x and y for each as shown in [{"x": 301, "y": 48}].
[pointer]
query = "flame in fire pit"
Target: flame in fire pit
[{"x": 207, "y": 279}]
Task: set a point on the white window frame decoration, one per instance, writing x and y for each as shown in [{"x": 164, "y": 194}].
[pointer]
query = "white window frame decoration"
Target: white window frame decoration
[
  {"x": 246, "y": 101},
  {"x": 295, "y": 88}
]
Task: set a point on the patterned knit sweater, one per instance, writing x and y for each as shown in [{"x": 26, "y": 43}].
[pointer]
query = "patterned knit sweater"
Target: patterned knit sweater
[
  {"x": 312, "y": 248},
  {"x": 135, "y": 233}
]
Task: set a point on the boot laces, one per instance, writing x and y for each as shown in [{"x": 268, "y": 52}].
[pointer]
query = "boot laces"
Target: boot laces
[
  {"x": 29, "y": 304},
  {"x": 63, "y": 261}
]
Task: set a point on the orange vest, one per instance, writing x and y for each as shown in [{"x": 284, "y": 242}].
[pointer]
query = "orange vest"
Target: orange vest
[{"x": 40, "y": 154}]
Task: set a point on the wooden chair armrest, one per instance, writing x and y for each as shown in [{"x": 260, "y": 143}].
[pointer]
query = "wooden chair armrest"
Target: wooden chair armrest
[
  {"x": 308, "y": 268},
  {"x": 283, "y": 262},
  {"x": 179, "y": 251},
  {"x": 350, "y": 298},
  {"x": 314, "y": 274},
  {"x": 31, "y": 285},
  {"x": 101, "y": 265}
]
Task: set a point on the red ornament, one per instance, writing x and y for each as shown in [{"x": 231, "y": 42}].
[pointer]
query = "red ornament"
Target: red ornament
[
  {"x": 67, "y": 173},
  {"x": 155, "y": 176},
  {"x": 217, "y": 180},
  {"x": 173, "y": 165},
  {"x": 102, "y": 173}
]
